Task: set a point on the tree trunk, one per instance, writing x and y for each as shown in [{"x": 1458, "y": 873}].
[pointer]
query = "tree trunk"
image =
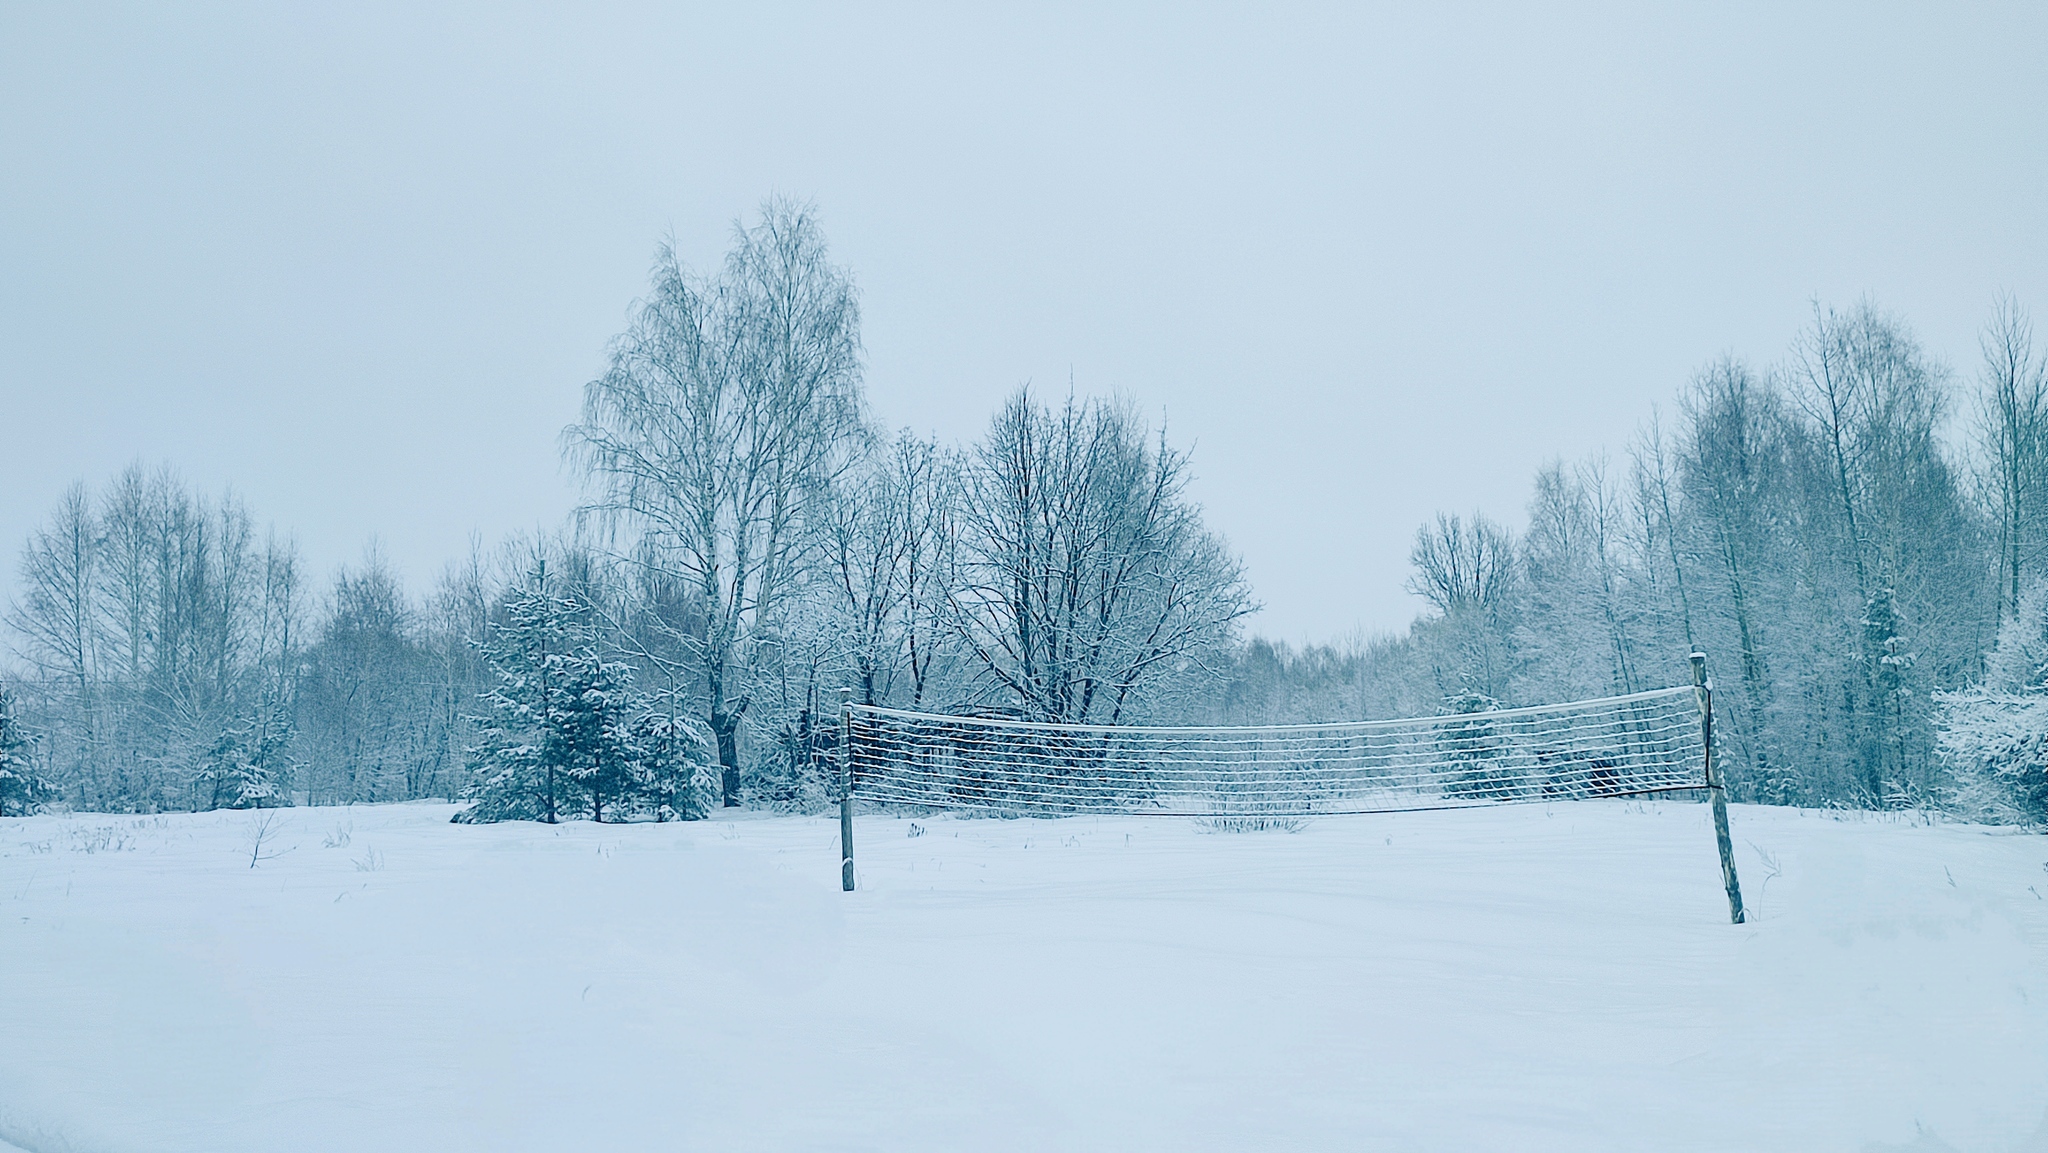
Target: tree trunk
[{"x": 726, "y": 726}]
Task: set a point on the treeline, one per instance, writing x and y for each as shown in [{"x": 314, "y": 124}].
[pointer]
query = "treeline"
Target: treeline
[
  {"x": 752, "y": 542},
  {"x": 165, "y": 635},
  {"x": 1846, "y": 532},
  {"x": 177, "y": 660}
]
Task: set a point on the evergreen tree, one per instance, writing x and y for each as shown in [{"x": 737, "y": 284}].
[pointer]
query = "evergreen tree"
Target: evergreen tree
[
  {"x": 1889, "y": 663},
  {"x": 246, "y": 767},
  {"x": 516, "y": 762},
  {"x": 1993, "y": 735},
  {"x": 1472, "y": 747},
  {"x": 21, "y": 790},
  {"x": 563, "y": 733},
  {"x": 673, "y": 769},
  {"x": 585, "y": 715}
]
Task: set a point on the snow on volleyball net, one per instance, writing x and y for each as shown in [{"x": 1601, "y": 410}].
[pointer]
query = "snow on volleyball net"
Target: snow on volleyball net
[{"x": 1625, "y": 746}]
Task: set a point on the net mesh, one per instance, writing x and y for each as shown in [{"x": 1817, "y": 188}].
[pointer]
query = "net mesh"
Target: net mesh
[{"x": 1625, "y": 746}]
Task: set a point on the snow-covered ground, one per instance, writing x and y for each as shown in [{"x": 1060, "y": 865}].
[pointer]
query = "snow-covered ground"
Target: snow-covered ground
[{"x": 1517, "y": 979}]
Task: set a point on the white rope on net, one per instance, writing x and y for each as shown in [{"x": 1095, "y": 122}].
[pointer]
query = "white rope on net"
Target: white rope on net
[{"x": 1635, "y": 745}]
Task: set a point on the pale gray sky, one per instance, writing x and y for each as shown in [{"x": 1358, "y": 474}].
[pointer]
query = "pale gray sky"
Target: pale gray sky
[{"x": 359, "y": 260}]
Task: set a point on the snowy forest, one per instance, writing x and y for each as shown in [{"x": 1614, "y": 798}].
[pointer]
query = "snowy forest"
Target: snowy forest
[{"x": 1856, "y": 533}]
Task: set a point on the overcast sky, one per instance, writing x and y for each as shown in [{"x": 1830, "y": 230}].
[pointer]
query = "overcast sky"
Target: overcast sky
[{"x": 357, "y": 262}]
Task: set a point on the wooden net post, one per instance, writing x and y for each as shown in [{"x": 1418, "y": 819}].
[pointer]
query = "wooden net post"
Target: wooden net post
[
  {"x": 846, "y": 791},
  {"x": 1703, "y": 685}
]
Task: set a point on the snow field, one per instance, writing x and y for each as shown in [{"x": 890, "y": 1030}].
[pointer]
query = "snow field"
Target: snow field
[{"x": 1545, "y": 977}]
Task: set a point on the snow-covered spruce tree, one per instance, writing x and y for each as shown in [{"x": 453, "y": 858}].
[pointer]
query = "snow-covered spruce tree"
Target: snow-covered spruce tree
[
  {"x": 674, "y": 771},
  {"x": 1890, "y": 664},
  {"x": 247, "y": 767},
  {"x": 586, "y": 717},
  {"x": 563, "y": 733},
  {"x": 1472, "y": 747},
  {"x": 21, "y": 789},
  {"x": 517, "y": 762},
  {"x": 1993, "y": 736}
]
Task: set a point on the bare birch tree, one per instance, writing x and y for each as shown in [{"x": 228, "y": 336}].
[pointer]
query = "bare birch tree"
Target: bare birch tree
[
  {"x": 161, "y": 633},
  {"x": 1468, "y": 572},
  {"x": 2012, "y": 434},
  {"x": 1088, "y": 581},
  {"x": 1461, "y": 566},
  {"x": 727, "y": 411},
  {"x": 58, "y": 624},
  {"x": 888, "y": 561},
  {"x": 927, "y": 490}
]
